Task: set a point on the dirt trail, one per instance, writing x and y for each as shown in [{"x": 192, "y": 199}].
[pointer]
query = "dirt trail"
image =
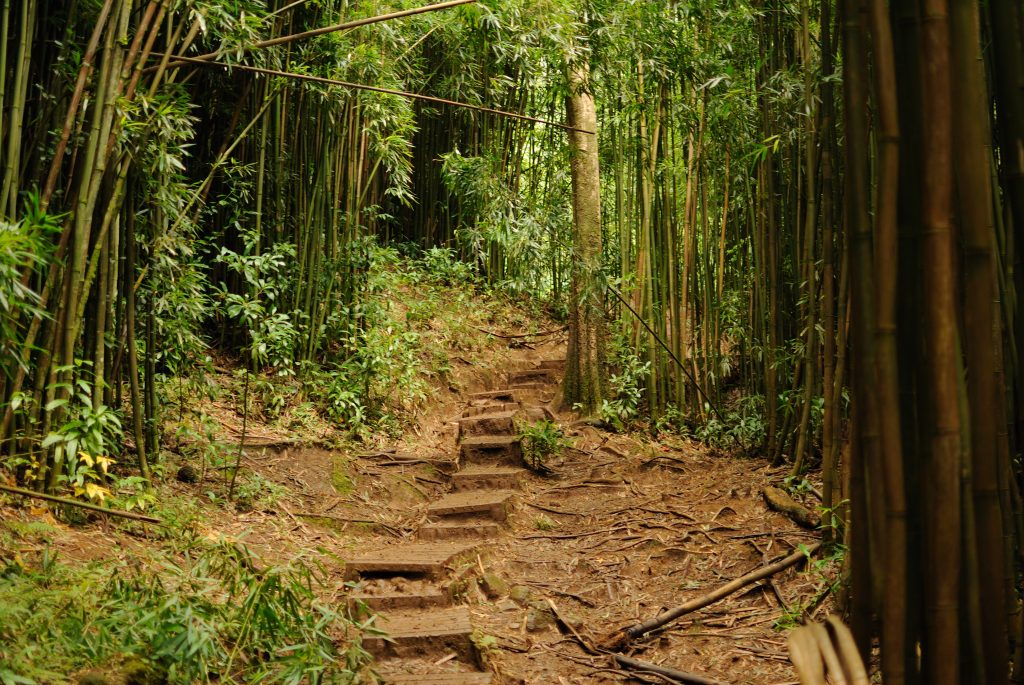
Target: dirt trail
[{"x": 508, "y": 571}]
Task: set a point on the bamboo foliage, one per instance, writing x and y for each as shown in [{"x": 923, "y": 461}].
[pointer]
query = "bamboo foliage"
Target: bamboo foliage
[{"x": 810, "y": 247}]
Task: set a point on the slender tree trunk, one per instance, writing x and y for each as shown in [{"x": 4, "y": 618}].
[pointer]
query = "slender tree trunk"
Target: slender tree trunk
[{"x": 584, "y": 381}]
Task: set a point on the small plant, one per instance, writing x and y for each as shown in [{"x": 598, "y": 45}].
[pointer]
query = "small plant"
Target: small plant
[
  {"x": 797, "y": 485},
  {"x": 81, "y": 444},
  {"x": 544, "y": 523},
  {"x": 793, "y": 615},
  {"x": 626, "y": 387},
  {"x": 540, "y": 442},
  {"x": 256, "y": 492}
]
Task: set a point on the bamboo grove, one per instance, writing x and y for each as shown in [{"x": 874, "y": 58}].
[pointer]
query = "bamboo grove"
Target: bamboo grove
[{"x": 810, "y": 249}]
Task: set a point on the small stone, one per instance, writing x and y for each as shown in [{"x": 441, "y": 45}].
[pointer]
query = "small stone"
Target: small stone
[
  {"x": 493, "y": 586},
  {"x": 520, "y": 594},
  {"x": 188, "y": 474},
  {"x": 569, "y": 618},
  {"x": 539, "y": 619},
  {"x": 507, "y": 605}
]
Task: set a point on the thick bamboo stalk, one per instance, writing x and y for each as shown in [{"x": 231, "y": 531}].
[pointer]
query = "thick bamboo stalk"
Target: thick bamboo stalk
[
  {"x": 864, "y": 443},
  {"x": 941, "y": 646},
  {"x": 895, "y": 644},
  {"x": 972, "y": 137}
]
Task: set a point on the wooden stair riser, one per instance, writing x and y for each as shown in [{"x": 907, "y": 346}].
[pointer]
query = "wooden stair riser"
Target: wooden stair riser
[
  {"x": 503, "y": 395},
  {"x": 425, "y": 634},
  {"x": 543, "y": 376},
  {"x": 485, "y": 481},
  {"x": 398, "y": 602},
  {"x": 476, "y": 530},
  {"x": 492, "y": 504},
  {"x": 487, "y": 424},
  {"x": 424, "y": 560},
  {"x": 507, "y": 452},
  {"x": 489, "y": 408},
  {"x": 436, "y": 679}
]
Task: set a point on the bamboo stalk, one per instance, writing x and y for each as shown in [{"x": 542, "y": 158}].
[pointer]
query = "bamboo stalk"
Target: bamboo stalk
[{"x": 76, "y": 503}]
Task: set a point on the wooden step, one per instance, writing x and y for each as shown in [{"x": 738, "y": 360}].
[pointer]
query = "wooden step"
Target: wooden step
[
  {"x": 496, "y": 423},
  {"x": 399, "y": 601},
  {"x": 479, "y": 477},
  {"x": 487, "y": 407},
  {"x": 530, "y": 386},
  {"x": 440, "y": 631},
  {"x": 390, "y": 678},
  {"x": 483, "y": 503},
  {"x": 504, "y": 395},
  {"x": 471, "y": 529},
  {"x": 553, "y": 364},
  {"x": 492, "y": 450},
  {"x": 518, "y": 378},
  {"x": 409, "y": 559}
]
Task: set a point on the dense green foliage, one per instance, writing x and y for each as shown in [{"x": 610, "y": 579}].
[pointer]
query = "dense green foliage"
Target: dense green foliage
[
  {"x": 808, "y": 243},
  {"x": 212, "y": 616}
]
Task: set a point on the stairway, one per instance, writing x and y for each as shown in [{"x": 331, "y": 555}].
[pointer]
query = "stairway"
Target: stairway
[{"x": 429, "y": 638}]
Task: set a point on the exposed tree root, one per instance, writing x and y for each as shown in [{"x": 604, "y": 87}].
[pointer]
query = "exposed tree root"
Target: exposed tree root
[{"x": 619, "y": 639}]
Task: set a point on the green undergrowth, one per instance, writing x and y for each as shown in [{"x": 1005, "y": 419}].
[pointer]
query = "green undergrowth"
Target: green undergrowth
[
  {"x": 191, "y": 611},
  {"x": 416, "y": 319},
  {"x": 541, "y": 441}
]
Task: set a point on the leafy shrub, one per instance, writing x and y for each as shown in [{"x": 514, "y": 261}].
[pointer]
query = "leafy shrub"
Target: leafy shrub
[
  {"x": 215, "y": 616},
  {"x": 441, "y": 264},
  {"x": 541, "y": 441},
  {"x": 626, "y": 387},
  {"x": 744, "y": 422}
]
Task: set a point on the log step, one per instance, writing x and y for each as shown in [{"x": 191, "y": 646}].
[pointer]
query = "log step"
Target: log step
[
  {"x": 517, "y": 378},
  {"x": 492, "y": 450},
  {"x": 505, "y": 395},
  {"x": 496, "y": 423},
  {"x": 474, "y": 529},
  {"x": 397, "y": 601},
  {"x": 553, "y": 364},
  {"x": 485, "y": 503},
  {"x": 489, "y": 408},
  {"x": 410, "y": 634},
  {"x": 478, "y": 477},
  {"x": 410, "y": 559},
  {"x": 388, "y": 678},
  {"x": 528, "y": 386}
]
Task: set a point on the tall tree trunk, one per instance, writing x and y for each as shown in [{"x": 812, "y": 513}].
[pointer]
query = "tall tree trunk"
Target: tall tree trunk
[{"x": 584, "y": 379}]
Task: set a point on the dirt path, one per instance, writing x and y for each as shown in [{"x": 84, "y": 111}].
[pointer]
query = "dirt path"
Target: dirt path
[{"x": 506, "y": 571}]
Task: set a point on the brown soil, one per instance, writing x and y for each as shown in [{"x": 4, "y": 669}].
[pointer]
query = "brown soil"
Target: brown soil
[{"x": 626, "y": 527}]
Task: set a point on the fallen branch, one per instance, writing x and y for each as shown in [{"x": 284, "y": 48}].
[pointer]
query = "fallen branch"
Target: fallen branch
[
  {"x": 622, "y": 637},
  {"x": 82, "y": 505},
  {"x": 672, "y": 674},
  {"x": 561, "y": 621},
  {"x": 780, "y": 501}
]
